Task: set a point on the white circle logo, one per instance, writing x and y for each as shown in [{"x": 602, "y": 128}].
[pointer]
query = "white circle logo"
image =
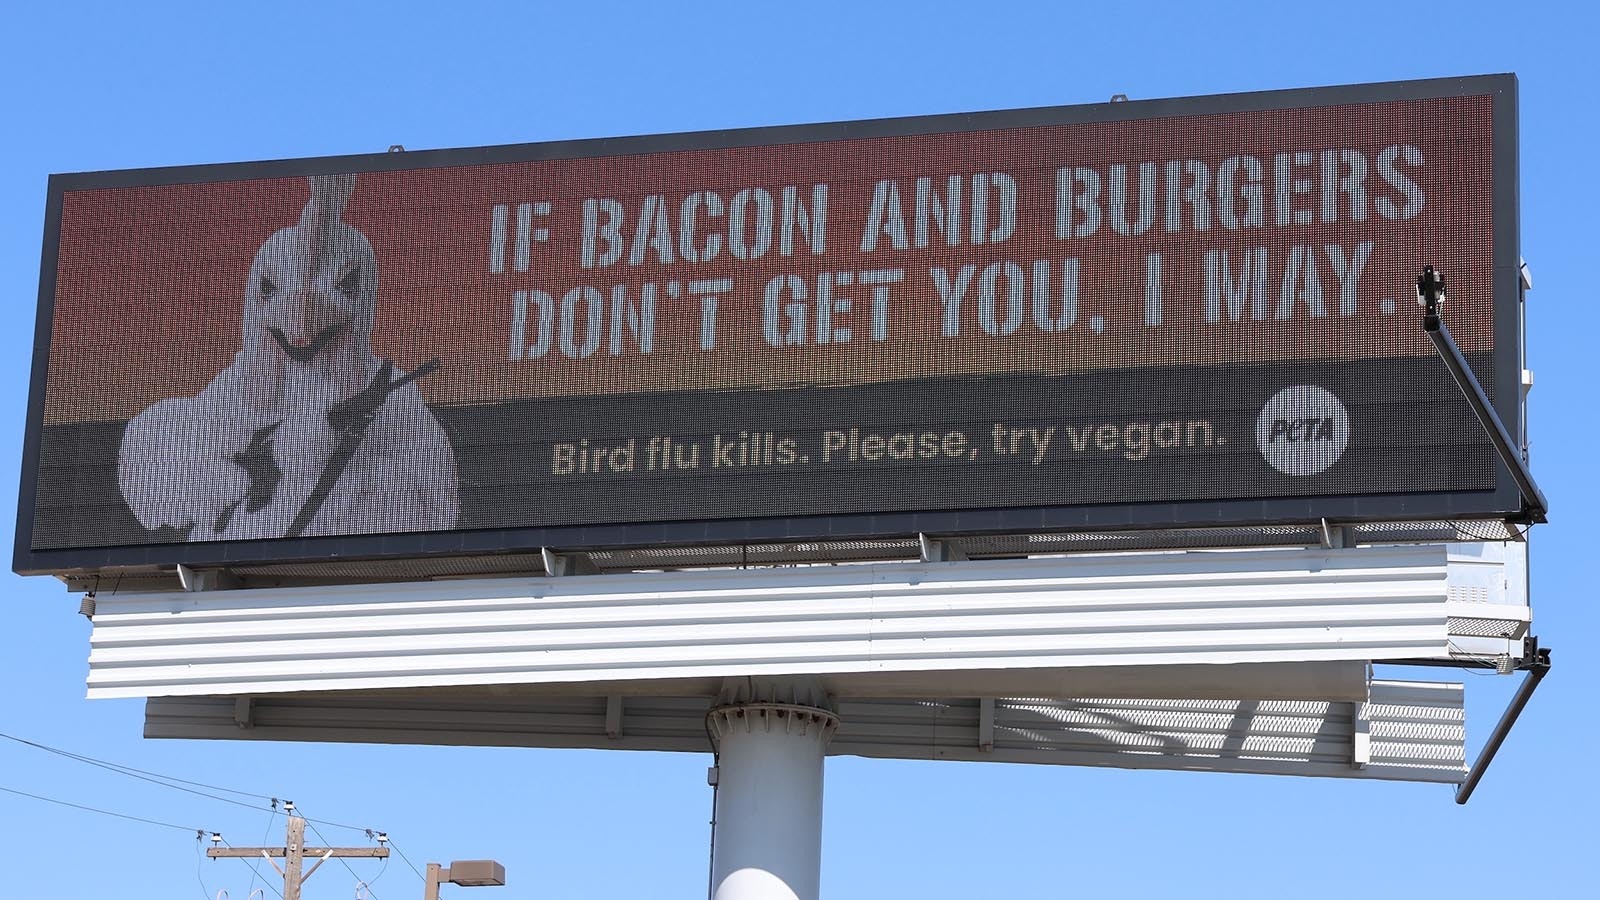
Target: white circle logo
[{"x": 1302, "y": 430}]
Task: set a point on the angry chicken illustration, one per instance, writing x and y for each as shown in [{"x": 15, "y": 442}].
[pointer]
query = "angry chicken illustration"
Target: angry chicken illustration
[{"x": 307, "y": 432}]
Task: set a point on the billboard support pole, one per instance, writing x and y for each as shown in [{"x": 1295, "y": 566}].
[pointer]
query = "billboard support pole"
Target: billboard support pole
[
  {"x": 770, "y": 736},
  {"x": 1431, "y": 294}
]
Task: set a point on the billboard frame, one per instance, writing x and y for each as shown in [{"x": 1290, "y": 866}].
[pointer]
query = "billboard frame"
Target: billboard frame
[{"x": 1503, "y": 502}]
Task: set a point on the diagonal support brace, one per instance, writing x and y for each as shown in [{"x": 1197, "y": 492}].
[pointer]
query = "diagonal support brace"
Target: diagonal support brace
[
  {"x": 1431, "y": 292},
  {"x": 1537, "y": 666}
]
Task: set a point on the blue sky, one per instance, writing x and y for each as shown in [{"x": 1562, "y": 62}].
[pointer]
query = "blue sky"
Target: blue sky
[{"x": 88, "y": 87}]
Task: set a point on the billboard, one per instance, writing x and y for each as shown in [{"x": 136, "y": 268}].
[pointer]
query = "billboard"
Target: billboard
[{"x": 1138, "y": 314}]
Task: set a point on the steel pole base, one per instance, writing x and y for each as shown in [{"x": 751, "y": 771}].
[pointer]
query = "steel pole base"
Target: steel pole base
[{"x": 771, "y": 735}]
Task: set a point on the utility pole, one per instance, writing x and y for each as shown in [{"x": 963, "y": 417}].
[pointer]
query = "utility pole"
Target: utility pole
[{"x": 293, "y": 852}]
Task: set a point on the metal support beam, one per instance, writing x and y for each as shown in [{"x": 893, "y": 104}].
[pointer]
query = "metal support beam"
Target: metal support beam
[
  {"x": 1444, "y": 662},
  {"x": 1430, "y": 288},
  {"x": 1537, "y": 666},
  {"x": 1360, "y": 736},
  {"x": 1336, "y": 537},
  {"x": 986, "y": 724},
  {"x": 614, "y": 716},
  {"x": 558, "y": 564},
  {"x": 933, "y": 549},
  {"x": 207, "y": 579}
]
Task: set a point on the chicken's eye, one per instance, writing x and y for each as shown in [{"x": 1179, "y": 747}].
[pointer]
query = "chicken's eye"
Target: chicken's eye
[
  {"x": 350, "y": 285},
  {"x": 267, "y": 287}
]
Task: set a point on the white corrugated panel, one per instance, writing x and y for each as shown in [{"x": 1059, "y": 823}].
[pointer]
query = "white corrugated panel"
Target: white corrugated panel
[
  {"x": 1415, "y": 729},
  {"x": 1489, "y": 610},
  {"x": 1367, "y": 603}
]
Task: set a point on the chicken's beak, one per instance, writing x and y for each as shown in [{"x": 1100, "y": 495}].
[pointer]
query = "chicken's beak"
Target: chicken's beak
[{"x": 306, "y": 351}]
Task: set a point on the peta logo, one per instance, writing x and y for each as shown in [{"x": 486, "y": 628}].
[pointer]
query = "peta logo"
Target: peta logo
[{"x": 1302, "y": 430}]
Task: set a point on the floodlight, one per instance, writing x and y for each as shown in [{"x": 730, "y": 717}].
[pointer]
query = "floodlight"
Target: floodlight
[
  {"x": 463, "y": 872},
  {"x": 476, "y": 872}
]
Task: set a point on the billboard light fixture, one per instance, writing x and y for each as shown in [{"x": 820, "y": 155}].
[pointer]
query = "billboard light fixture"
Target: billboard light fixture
[{"x": 1430, "y": 291}]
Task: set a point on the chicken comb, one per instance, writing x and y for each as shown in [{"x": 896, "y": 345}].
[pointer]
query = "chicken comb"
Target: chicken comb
[{"x": 329, "y": 194}]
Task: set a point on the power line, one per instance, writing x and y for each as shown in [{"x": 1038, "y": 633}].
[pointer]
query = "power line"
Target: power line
[
  {"x": 204, "y": 891},
  {"x": 365, "y": 828},
  {"x": 348, "y": 868},
  {"x": 173, "y": 782},
  {"x": 127, "y": 770},
  {"x": 396, "y": 848},
  {"x": 141, "y": 775},
  {"x": 255, "y": 868},
  {"x": 376, "y": 878},
  {"x": 198, "y": 832},
  {"x": 264, "y": 881},
  {"x": 104, "y": 812}
]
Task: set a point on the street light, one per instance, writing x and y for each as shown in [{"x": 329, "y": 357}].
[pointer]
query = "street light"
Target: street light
[{"x": 464, "y": 872}]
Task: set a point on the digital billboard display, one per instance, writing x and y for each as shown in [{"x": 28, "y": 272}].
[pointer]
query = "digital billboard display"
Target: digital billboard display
[{"x": 1130, "y": 314}]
